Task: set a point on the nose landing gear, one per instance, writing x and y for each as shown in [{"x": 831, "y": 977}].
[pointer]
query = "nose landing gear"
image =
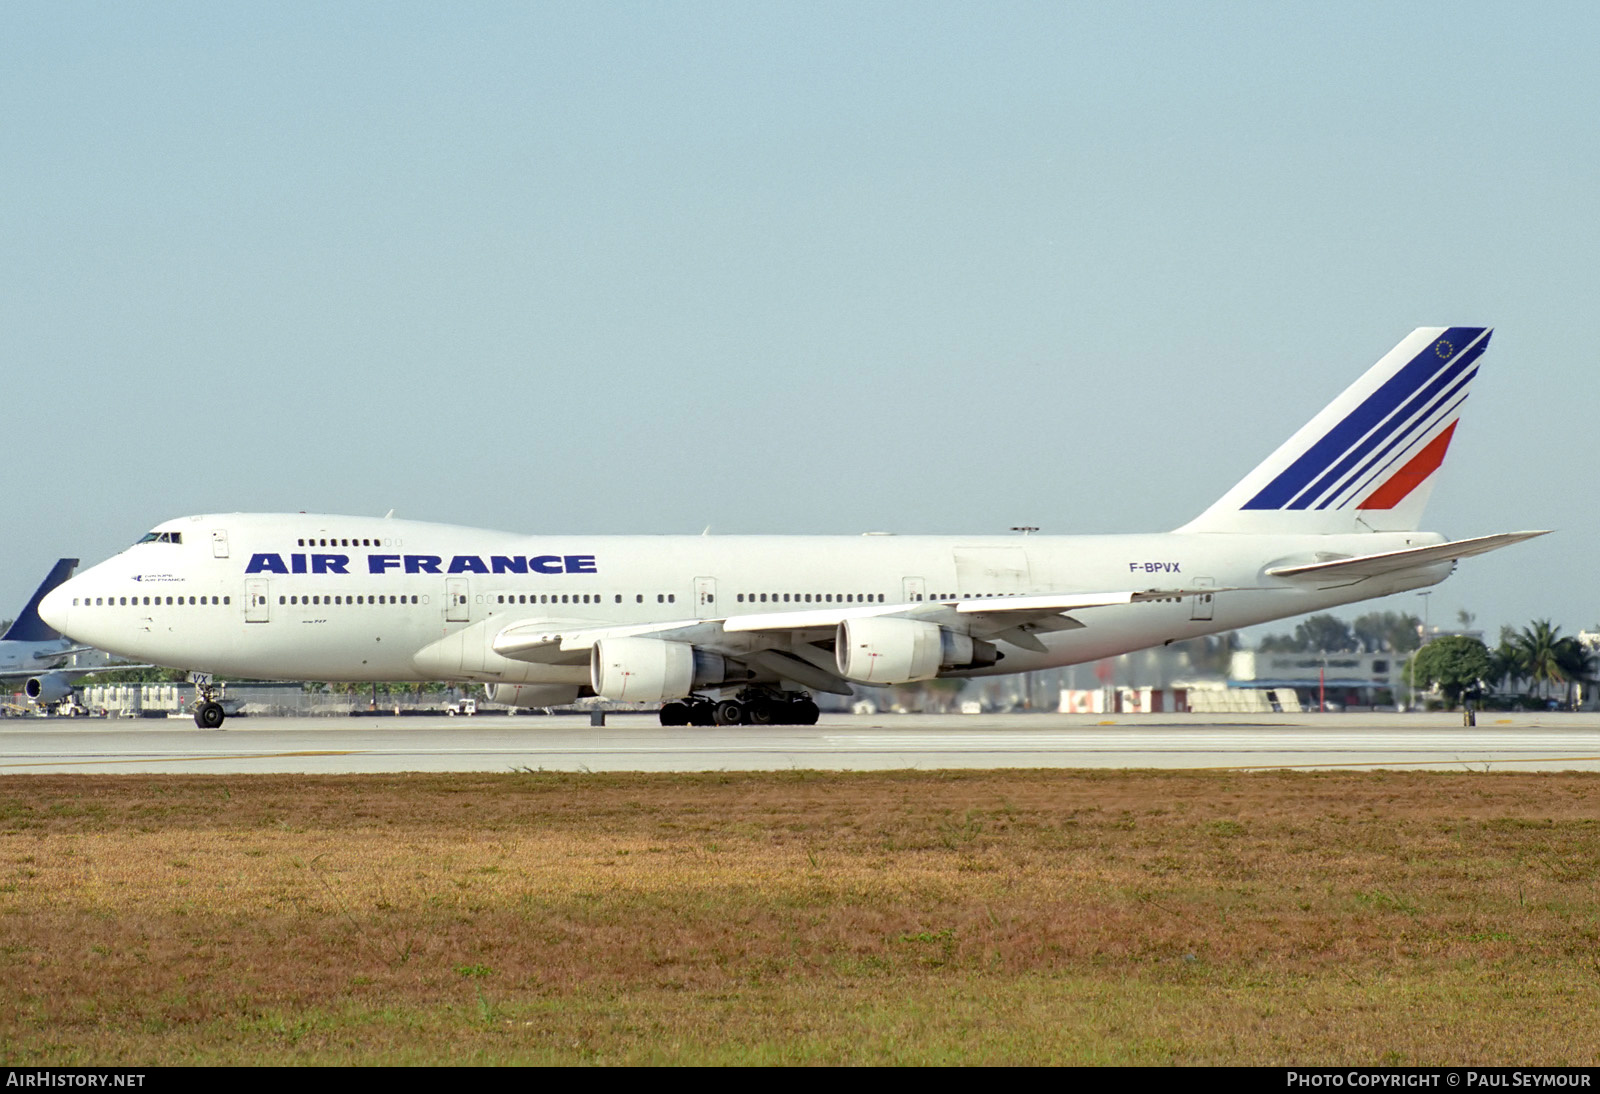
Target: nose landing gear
[{"x": 208, "y": 713}]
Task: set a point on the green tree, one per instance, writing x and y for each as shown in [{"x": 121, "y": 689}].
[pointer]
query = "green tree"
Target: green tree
[
  {"x": 1392, "y": 632},
  {"x": 1455, "y": 664},
  {"x": 1538, "y": 649},
  {"x": 1325, "y": 632},
  {"x": 1576, "y": 663},
  {"x": 1505, "y": 663}
]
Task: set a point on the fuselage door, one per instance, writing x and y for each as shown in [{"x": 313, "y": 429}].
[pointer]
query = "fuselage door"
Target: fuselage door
[
  {"x": 455, "y": 600},
  {"x": 219, "y": 543},
  {"x": 705, "y": 598},
  {"x": 256, "y": 602},
  {"x": 1205, "y": 602},
  {"x": 915, "y": 589}
]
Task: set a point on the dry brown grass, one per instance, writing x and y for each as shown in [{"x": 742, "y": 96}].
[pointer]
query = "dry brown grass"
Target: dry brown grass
[{"x": 904, "y": 917}]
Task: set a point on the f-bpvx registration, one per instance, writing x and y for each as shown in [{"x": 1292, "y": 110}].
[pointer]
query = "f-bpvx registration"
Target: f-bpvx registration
[{"x": 746, "y": 628}]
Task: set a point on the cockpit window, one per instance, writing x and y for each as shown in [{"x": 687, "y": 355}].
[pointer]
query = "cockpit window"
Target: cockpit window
[{"x": 162, "y": 537}]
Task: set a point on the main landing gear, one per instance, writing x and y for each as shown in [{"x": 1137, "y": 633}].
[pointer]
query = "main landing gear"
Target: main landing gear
[{"x": 752, "y": 707}]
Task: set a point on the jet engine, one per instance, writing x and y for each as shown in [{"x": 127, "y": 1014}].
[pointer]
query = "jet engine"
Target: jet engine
[
  {"x": 884, "y": 650},
  {"x": 532, "y": 695},
  {"x": 52, "y": 687},
  {"x": 648, "y": 670}
]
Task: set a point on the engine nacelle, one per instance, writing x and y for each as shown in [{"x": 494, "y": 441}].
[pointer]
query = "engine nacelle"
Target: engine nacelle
[
  {"x": 532, "y": 695},
  {"x": 52, "y": 687},
  {"x": 886, "y": 650},
  {"x": 648, "y": 670}
]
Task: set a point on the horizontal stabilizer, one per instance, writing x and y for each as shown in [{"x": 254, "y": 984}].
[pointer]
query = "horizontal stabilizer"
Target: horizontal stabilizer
[{"x": 1388, "y": 562}]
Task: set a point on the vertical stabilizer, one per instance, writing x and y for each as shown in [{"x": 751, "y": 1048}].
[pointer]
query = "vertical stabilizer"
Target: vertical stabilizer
[
  {"x": 28, "y": 627},
  {"x": 1367, "y": 462}
]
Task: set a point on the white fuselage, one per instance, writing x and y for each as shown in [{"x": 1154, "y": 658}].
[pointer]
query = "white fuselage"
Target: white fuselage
[{"x": 287, "y": 596}]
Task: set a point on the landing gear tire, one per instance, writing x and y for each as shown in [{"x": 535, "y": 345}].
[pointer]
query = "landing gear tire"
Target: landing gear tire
[
  {"x": 702, "y": 714},
  {"x": 209, "y": 716},
  {"x": 804, "y": 712},
  {"x": 675, "y": 714},
  {"x": 730, "y": 713},
  {"x": 764, "y": 712}
]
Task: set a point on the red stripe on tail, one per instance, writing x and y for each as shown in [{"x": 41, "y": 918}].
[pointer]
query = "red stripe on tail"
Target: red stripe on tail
[{"x": 1409, "y": 477}]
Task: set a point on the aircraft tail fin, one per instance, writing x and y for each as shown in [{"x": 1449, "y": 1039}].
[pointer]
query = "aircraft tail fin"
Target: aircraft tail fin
[
  {"x": 28, "y": 627},
  {"x": 1366, "y": 463}
]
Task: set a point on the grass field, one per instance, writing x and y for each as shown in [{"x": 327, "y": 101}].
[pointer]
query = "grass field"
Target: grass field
[{"x": 993, "y": 917}]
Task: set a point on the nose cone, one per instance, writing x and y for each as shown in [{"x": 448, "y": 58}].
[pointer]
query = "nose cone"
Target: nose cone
[{"x": 53, "y": 608}]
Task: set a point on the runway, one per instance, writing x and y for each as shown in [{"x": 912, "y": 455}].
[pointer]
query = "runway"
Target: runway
[{"x": 494, "y": 742}]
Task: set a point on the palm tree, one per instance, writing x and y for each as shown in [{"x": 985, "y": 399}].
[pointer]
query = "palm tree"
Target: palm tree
[
  {"x": 1505, "y": 663},
  {"x": 1537, "y": 648},
  {"x": 1576, "y": 663}
]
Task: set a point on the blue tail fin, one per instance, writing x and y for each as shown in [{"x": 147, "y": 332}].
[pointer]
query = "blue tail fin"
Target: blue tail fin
[{"x": 28, "y": 627}]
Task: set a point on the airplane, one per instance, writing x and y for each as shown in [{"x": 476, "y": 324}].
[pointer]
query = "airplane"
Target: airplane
[
  {"x": 33, "y": 651},
  {"x": 743, "y": 629}
]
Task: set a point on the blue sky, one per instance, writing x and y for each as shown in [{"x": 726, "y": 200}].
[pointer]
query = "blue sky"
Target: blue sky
[{"x": 785, "y": 268}]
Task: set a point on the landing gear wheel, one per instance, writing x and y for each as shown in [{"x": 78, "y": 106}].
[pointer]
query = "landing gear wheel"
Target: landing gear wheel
[
  {"x": 702, "y": 714},
  {"x": 730, "y": 713},
  {"x": 675, "y": 714},
  {"x": 804, "y": 712},
  {"x": 764, "y": 712},
  {"x": 209, "y": 716}
]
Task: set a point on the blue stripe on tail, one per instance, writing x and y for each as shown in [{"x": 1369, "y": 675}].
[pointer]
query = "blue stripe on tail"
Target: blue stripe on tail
[{"x": 1418, "y": 382}]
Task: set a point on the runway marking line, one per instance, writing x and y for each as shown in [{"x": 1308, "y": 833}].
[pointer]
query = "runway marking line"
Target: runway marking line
[{"x": 187, "y": 759}]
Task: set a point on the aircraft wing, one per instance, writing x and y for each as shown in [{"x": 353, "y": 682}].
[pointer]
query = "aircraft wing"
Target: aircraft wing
[
  {"x": 1013, "y": 619},
  {"x": 73, "y": 671},
  {"x": 1388, "y": 562}
]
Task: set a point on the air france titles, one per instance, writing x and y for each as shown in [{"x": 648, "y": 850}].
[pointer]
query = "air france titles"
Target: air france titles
[{"x": 272, "y": 563}]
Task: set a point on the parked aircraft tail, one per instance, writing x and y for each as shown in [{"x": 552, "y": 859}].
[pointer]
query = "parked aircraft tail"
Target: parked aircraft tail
[
  {"x": 28, "y": 627},
  {"x": 1367, "y": 461}
]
